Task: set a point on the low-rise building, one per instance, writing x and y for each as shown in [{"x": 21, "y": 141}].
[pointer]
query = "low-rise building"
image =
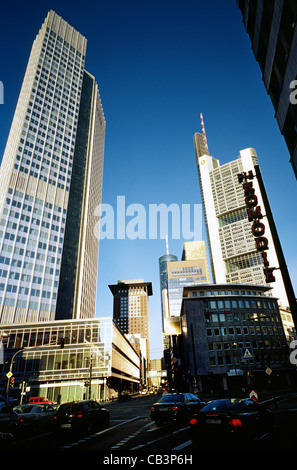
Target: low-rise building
[
  {"x": 69, "y": 360},
  {"x": 232, "y": 335}
]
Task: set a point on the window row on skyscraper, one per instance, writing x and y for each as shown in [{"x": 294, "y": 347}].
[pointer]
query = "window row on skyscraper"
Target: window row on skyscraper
[{"x": 186, "y": 271}]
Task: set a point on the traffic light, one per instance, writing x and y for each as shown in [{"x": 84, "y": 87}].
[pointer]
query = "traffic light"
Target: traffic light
[
  {"x": 11, "y": 382},
  {"x": 62, "y": 340}
]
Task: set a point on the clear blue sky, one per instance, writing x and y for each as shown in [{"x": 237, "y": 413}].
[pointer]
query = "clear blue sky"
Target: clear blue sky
[{"x": 158, "y": 64}]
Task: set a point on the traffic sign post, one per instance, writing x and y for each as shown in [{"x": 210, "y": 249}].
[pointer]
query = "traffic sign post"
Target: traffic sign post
[
  {"x": 254, "y": 395},
  {"x": 247, "y": 353}
]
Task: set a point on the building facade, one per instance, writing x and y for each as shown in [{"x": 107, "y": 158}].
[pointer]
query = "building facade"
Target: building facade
[
  {"x": 131, "y": 309},
  {"x": 96, "y": 361},
  {"x": 174, "y": 276},
  {"x": 272, "y": 28},
  {"x": 51, "y": 176},
  {"x": 235, "y": 255},
  {"x": 192, "y": 269},
  {"x": 232, "y": 336}
]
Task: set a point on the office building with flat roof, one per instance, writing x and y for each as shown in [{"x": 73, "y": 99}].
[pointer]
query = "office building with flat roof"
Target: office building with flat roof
[
  {"x": 192, "y": 269},
  {"x": 51, "y": 177},
  {"x": 97, "y": 360},
  {"x": 131, "y": 309},
  {"x": 233, "y": 337}
]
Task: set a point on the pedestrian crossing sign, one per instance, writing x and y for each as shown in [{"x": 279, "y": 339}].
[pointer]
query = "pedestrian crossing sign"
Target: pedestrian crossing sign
[{"x": 247, "y": 353}]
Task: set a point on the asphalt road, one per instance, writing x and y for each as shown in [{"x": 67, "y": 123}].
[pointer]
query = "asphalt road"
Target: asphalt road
[{"x": 131, "y": 431}]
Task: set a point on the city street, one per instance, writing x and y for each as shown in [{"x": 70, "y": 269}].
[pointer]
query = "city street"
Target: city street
[{"x": 131, "y": 430}]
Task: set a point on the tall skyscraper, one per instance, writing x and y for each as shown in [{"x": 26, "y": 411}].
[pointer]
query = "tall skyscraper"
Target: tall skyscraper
[
  {"x": 50, "y": 179},
  {"x": 131, "y": 308},
  {"x": 272, "y": 28},
  {"x": 235, "y": 255}
]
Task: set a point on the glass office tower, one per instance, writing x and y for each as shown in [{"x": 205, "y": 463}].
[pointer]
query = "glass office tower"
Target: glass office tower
[
  {"x": 163, "y": 270},
  {"x": 50, "y": 178}
]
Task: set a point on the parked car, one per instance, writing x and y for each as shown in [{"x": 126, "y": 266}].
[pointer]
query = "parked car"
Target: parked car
[
  {"x": 9, "y": 423},
  {"x": 36, "y": 417},
  {"x": 178, "y": 407},
  {"x": 85, "y": 416},
  {"x": 233, "y": 422},
  {"x": 33, "y": 400}
]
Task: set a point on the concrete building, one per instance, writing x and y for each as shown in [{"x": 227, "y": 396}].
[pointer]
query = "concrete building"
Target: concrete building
[
  {"x": 51, "y": 176},
  {"x": 272, "y": 28},
  {"x": 131, "y": 309},
  {"x": 232, "y": 336}
]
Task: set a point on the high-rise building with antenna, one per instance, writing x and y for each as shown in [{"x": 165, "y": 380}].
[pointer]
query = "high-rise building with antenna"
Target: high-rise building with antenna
[
  {"x": 51, "y": 177},
  {"x": 235, "y": 255}
]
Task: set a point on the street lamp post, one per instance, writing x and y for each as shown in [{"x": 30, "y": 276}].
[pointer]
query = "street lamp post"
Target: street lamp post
[
  {"x": 9, "y": 374},
  {"x": 10, "y": 370}
]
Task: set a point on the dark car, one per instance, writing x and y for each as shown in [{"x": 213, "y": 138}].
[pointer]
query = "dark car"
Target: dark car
[
  {"x": 82, "y": 416},
  {"x": 36, "y": 417},
  {"x": 178, "y": 407},
  {"x": 231, "y": 423},
  {"x": 9, "y": 421}
]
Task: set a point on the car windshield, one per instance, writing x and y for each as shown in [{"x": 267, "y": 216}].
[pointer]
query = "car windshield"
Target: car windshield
[
  {"x": 222, "y": 406},
  {"x": 171, "y": 399}
]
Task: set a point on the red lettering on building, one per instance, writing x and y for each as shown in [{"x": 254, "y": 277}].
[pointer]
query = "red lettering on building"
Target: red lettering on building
[
  {"x": 254, "y": 213},
  {"x": 258, "y": 228}
]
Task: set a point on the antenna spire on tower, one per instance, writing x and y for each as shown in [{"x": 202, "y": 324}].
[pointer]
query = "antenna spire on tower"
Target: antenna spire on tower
[
  {"x": 203, "y": 132},
  {"x": 167, "y": 248}
]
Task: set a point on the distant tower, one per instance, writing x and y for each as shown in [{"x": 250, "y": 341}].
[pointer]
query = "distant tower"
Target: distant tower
[
  {"x": 163, "y": 270},
  {"x": 131, "y": 308},
  {"x": 191, "y": 270}
]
